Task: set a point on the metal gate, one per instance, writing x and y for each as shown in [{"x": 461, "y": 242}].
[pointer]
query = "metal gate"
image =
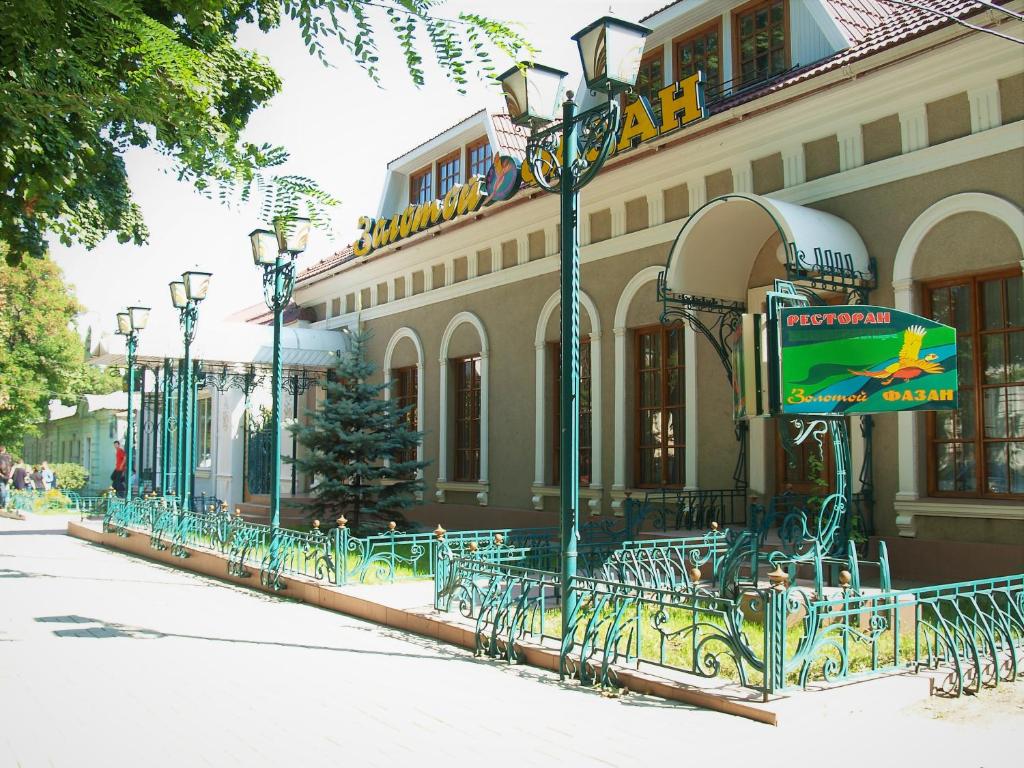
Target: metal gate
[{"x": 259, "y": 461}]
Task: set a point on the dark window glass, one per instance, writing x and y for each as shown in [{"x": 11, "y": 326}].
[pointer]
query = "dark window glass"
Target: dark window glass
[
  {"x": 978, "y": 450},
  {"x": 404, "y": 391},
  {"x": 660, "y": 407},
  {"x": 649, "y": 80},
  {"x": 448, "y": 170},
  {"x": 700, "y": 52},
  {"x": 479, "y": 158},
  {"x": 421, "y": 187},
  {"x": 586, "y": 408},
  {"x": 467, "y": 418},
  {"x": 761, "y": 41}
]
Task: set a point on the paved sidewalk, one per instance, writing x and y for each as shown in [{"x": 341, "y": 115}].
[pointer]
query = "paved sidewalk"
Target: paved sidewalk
[{"x": 107, "y": 660}]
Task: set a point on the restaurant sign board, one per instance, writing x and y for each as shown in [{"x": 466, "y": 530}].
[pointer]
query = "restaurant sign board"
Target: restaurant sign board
[{"x": 864, "y": 359}]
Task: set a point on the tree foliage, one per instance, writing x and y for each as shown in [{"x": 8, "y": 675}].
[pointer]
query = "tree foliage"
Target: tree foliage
[
  {"x": 82, "y": 81},
  {"x": 41, "y": 355},
  {"x": 358, "y": 445},
  {"x": 70, "y": 476}
]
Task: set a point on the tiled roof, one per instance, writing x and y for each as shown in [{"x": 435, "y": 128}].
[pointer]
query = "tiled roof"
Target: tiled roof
[
  {"x": 652, "y": 14},
  {"x": 858, "y": 17},
  {"x": 324, "y": 265},
  {"x": 873, "y": 26},
  {"x": 511, "y": 137}
]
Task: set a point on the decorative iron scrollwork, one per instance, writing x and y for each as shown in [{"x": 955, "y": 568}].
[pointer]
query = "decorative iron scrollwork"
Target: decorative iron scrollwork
[
  {"x": 831, "y": 271},
  {"x": 595, "y": 136},
  {"x": 720, "y": 332}
]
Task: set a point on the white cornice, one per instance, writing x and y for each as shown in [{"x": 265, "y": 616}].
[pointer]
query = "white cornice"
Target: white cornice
[{"x": 967, "y": 149}]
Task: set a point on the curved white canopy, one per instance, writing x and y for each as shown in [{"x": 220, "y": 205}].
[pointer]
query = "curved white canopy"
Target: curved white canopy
[
  {"x": 229, "y": 344},
  {"x": 716, "y": 248}
]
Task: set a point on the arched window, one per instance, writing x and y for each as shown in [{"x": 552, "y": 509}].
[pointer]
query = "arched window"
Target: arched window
[{"x": 463, "y": 429}]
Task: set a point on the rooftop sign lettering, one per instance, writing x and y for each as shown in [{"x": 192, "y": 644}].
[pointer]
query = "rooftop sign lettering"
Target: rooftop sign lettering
[{"x": 681, "y": 104}]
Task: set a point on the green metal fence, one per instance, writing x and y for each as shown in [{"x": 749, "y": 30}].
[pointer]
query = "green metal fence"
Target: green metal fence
[
  {"x": 335, "y": 556},
  {"x": 766, "y": 637},
  {"x": 57, "y": 500},
  {"x": 657, "y": 602}
]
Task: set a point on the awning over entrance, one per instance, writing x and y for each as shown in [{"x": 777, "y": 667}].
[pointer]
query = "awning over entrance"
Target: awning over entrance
[
  {"x": 715, "y": 251},
  {"x": 229, "y": 344}
]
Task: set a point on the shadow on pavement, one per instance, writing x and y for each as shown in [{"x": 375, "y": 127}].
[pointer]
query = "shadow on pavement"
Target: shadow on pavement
[
  {"x": 111, "y": 629},
  {"x": 36, "y": 532}
]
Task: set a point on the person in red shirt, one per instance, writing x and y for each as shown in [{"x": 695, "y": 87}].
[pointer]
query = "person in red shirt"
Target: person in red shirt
[{"x": 118, "y": 476}]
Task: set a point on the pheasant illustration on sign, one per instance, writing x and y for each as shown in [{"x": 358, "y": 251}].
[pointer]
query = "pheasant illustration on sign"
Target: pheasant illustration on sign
[{"x": 910, "y": 364}]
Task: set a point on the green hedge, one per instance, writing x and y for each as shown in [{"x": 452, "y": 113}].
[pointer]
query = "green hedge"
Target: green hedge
[{"x": 70, "y": 477}]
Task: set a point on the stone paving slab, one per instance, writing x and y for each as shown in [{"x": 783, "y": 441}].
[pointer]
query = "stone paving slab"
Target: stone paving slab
[{"x": 109, "y": 660}]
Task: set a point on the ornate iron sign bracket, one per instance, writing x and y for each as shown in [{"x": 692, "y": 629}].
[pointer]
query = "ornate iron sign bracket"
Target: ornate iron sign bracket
[
  {"x": 684, "y": 308},
  {"x": 831, "y": 271},
  {"x": 726, "y": 317}
]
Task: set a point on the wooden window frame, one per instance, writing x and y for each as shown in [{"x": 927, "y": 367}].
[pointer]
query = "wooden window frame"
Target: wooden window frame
[
  {"x": 426, "y": 171},
  {"x": 481, "y": 142},
  {"x": 473, "y": 475},
  {"x": 587, "y": 448},
  {"x": 693, "y": 34},
  {"x": 664, "y": 407},
  {"x": 405, "y": 392},
  {"x": 979, "y": 442},
  {"x": 737, "y": 63},
  {"x": 455, "y": 155},
  {"x": 656, "y": 54}
]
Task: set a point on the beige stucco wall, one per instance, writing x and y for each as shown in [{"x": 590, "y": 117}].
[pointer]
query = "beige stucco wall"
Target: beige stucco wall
[
  {"x": 1011, "y": 98},
  {"x": 971, "y": 238},
  {"x": 821, "y": 157},
  {"x": 676, "y": 201},
  {"x": 882, "y": 216},
  {"x": 881, "y": 138},
  {"x": 767, "y": 173},
  {"x": 948, "y": 118},
  {"x": 510, "y": 314}
]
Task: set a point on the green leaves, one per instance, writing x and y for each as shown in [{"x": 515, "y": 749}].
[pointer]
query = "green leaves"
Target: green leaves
[
  {"x": 41, "y": 356},
  {"x": 83, "y": 81}
]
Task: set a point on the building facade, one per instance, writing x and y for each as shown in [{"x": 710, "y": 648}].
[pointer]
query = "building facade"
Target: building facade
[
  {"x": 83, "y": 434},
  {"x": 889, "y": 122}
]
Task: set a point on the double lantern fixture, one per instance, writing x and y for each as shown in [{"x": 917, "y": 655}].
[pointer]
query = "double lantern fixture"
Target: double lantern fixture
[
  {"x": 192, "y": 287},
  {"x": 610, "y": 49},
  {"x": 129, "y": 323},
  {"x": 186, "y": 295},
  {"x": 563, "y": 158},
  {"x": 275, "y": 252}
]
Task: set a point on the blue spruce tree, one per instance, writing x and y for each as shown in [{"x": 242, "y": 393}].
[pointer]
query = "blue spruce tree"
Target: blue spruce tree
[{"x": 361, "y": 448}]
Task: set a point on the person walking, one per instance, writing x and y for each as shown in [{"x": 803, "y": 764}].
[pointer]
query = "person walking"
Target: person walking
[
  {"x": 6, "y": 470},
  {"x": 119, "y": 477},
  {"x": 49, "y": 479},
  {"x": 37, "y": 479},
  {"x": 19, "y": 478}
]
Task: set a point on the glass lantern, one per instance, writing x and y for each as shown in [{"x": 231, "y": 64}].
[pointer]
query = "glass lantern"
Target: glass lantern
[
  {"x": 264, "y": 247},
  {"x": 532, "y": 92},
  {"x": 611, "y": 50},
  {"x": 292, "y": 234},
  {"x": 196, "y": 284}
]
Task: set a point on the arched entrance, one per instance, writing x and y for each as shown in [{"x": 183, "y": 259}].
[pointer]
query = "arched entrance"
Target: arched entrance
[{"x": 725, "y": 260}]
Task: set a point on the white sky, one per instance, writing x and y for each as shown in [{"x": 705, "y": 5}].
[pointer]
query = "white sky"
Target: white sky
[{"x": 340, "y": 130}]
